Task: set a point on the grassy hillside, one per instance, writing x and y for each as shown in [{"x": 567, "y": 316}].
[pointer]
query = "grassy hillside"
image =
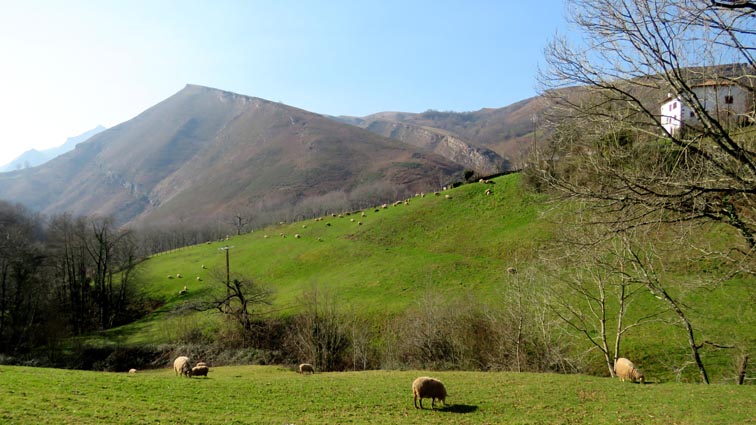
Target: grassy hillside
[
  {"x": 450, "y": 246},
  {"x": 256, "y": 394},
  {"x": 456, "y": 248}
]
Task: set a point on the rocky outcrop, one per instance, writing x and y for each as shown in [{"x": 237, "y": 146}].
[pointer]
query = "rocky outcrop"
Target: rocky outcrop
[{"x": 479, "y": 159}]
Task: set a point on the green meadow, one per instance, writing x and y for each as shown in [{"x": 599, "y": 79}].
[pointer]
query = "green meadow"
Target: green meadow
[
  {"x": 275, "y": 395},
  {"x": 378, "y": 263}
]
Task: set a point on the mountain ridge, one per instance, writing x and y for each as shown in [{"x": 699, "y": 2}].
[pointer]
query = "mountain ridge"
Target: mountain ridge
[{"x": 204, "y": 152}]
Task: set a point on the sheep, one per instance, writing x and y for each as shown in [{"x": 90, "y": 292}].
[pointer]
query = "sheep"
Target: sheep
[
  {"x": 436, "y": 193},
  {"x": 359, "y": 223},
  {"x": 183, "y": 291},
  {"x": 426, "y": 387},
  {"x": 178, "y": 275},
  {"x": 351, "y": 220},
  {"x": 199, "y": 371},
  {"x": 170, "y": 276},
  {"x": 199, "y": 279},
  {"x": 625, "y": 369},
  {"x": 488, "y": 192},
  {"x": 363, "y": 215},
  {"x": 181, "y": 366},
  {"x": 297, "y": 236},
  {"x": 304, "y": 226},
  {"x": 306, "y": 367},
  {"x": 203, "y": 266},
  {"x": 132, "y": 371},
  {"x": 511, "y": 270},
  {"x": 447, "y": 196}
]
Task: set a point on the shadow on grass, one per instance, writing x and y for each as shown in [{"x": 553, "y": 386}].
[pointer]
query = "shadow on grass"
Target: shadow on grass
[{"x": 458, "y": 408}]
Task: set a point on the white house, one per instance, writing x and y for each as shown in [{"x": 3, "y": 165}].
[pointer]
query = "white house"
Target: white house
[{"x": 726, "y": 101}]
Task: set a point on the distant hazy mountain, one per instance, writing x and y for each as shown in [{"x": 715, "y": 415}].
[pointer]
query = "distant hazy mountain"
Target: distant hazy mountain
[
  {"x": 203, "y": 153},
  {"x": 33, "y": 157}
]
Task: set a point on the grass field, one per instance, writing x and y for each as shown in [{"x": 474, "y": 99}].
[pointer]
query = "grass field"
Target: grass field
[{"x": 275, "y": 395}]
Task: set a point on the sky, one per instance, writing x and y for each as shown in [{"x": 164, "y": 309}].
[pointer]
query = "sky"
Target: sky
[{"x": 68, "y": 66}]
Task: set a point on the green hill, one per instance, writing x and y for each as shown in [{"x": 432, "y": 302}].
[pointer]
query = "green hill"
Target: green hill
[{"x": 382, "y": 262}]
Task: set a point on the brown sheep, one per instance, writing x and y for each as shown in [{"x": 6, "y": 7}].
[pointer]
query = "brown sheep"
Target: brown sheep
[
  {"x": 306, "y": 367},
  {"x": 181, "y": 366},
  {"x": 199, "y": 371},
  {"x": 425, "y": 387},
  {"x": 625, "y": 369}
]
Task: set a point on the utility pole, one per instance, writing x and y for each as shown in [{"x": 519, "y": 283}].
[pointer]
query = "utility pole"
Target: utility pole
[{"x": 228, "y": 269}]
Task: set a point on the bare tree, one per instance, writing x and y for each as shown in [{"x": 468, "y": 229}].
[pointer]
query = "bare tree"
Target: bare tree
[
  {"x": 611, "y": 147},
  {"x": 631, "y": 55},
  {"x": 239, "y": 298}
]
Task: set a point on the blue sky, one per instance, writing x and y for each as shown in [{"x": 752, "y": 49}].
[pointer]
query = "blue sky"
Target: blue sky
[{"x": 71, "y": 65}]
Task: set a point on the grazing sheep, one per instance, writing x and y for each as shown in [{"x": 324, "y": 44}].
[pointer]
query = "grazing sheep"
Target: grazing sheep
[
  {"x": 320, "y": 239},
  {"x": 489, "y": 191},
  {"x": 132, "y": 371},
  {"x": 447, "y": 196},
  {"x": 199, "y": 371},
  {"x": 199, "y": 279},
  {"x": 511, "y": 270},
  {"x": 359, "y": 223},
  {"x": 363, "y": 215},
  {"x": 304, "y": 226},
  {"x": 351, "y": 220},
  {"x": 297, "y": 236},
  {"x": 436, "y": 193},
  {"x": 183, "y": 291},
  {"x": 181, "y": 366},
  {"x": 384, "y": 206},
  {"x": 178, "y": 275},
  {"x": 170, "y": 276},
  {"x": 306, "y": 367},
  {"x": 203, "y": 266},
  {"x": 625, "y": 369},
  {"x": 425, "y": 387}
]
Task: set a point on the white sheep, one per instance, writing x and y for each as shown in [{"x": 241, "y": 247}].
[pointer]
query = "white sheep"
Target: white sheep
[
  {"x": 200, "y": 370},
  {"x": 488, "y": 192},
  {"x": 132, "y": 371},
  {"x": 199, "y": 279},
  {"x": 625, "y": 369},
  {"x": 297, "y": 236},
  {"x": 426, "y": 387},
  {"x": 178, "y": 275},
  {"x": 306, "y": 367},
  {"x": 183, "y": 291},
  {"x": 181, "y": 366}
]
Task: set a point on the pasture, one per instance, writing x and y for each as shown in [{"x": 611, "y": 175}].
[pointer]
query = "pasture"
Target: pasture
[{"x": 277, "y": 395}]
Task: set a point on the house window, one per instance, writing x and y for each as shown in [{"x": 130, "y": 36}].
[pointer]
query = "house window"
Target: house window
[
  {"x": 692, "y": 114},
  {"x": 728, "y": 99},
  {"x": 674, "y": 105}
]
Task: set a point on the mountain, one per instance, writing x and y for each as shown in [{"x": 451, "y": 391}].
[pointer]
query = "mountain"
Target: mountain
[
  {"x": 33, "y": 157},
  {"x": 499, "y": 137},
  {"x": 204, "y": 153},
  {"x": 482, "y": 160}
]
